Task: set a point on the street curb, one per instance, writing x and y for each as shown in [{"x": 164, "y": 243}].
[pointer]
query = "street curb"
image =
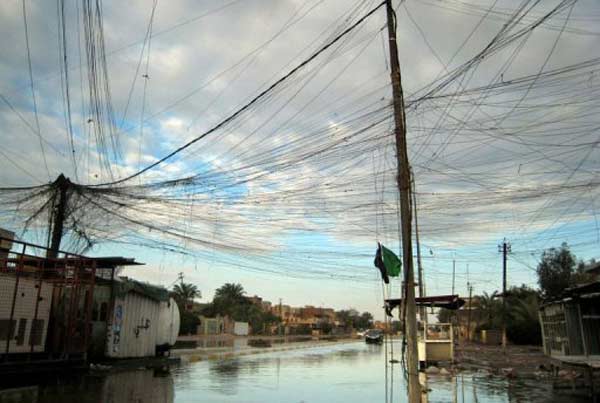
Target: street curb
[{"x": 190, "y": 357}]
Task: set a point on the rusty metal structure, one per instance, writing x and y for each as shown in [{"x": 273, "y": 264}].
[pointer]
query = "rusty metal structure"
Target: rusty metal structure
[{"x": 48, "y": 299}]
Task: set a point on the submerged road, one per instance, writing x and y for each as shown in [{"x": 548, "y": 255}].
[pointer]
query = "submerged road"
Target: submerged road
[{"x": 349, "y": 372}]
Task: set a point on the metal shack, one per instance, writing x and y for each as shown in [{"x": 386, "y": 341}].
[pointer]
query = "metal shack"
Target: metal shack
[
  {"x": 143, "y": 320},
  {"x": 24, "y": 306},
  {"x": 571, "y": 326}
]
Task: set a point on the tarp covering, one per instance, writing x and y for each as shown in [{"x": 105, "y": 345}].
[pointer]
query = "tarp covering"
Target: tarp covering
[
  {"x": 439, "y": 301},
  {"x": 126, "y": 285}
]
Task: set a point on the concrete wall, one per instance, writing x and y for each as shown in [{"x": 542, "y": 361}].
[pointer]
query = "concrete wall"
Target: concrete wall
[
  {"x": 240, "y": 328},
  {"x": 134, "y": 331},
  {"x": 211, "y": 326},
  {"x": 24, "y": 313}
]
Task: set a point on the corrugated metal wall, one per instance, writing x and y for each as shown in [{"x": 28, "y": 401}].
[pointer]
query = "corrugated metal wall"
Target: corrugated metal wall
[
  {"x": 134, "y": 328},
  {"x": 20, "y": 333}
]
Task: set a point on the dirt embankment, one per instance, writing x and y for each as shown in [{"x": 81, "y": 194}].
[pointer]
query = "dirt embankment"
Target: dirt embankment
[{"x": 517, "y": 361}]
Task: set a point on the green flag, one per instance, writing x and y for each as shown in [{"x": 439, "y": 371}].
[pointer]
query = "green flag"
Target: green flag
[
  {"x": 387, "y": 263},
  {"x": 393, "y": 265}
]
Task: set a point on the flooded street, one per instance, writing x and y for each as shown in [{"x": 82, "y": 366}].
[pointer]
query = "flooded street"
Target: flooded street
[{"x": 339, "y": 373}]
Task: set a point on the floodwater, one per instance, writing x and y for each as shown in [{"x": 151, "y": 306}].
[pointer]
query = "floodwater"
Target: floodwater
[{"x": 352, "y": 372}]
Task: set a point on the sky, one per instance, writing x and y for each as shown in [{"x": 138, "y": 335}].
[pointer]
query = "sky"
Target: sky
[{"x": 291, "y": 196}]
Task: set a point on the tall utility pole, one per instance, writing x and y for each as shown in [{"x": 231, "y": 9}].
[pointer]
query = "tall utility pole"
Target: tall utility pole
[
  {"x": 505, "y": 248},
  {"x": 412, "y": 362},
  {"x": 280, "y": 318},
  {"x": 422, "y": 310},
  {"x": 58, "y": 214},
  {"x": 470, "y": 287},
  {"x": 453, "y": 274}
]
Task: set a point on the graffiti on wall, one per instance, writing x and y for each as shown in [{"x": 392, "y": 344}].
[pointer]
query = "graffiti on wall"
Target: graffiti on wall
[{"x": 118, "y": 322}]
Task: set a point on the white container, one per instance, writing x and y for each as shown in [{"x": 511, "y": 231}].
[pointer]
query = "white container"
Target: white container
[
  {"x": 168, "y": 323},
  {"x": 134, "y": 331}
]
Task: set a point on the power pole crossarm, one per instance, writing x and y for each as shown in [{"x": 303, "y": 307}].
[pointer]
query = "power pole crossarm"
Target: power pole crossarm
[{"x": 412, "y": 362}]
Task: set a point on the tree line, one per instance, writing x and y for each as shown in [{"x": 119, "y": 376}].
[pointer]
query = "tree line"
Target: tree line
[{"x": 230, "y": 300}]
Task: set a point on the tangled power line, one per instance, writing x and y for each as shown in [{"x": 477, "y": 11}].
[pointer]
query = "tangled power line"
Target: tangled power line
[{"x": 284, "y": 182}]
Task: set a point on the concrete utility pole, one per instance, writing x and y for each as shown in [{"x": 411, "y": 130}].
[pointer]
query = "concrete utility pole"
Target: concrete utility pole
[
  {"x": 453, "y": 274},
  {"x": 470, "y": 287},
  {"x": 59, "y": 213},
  {"x": 412, "y": 362},
  {"x": 505, "y": 248}
]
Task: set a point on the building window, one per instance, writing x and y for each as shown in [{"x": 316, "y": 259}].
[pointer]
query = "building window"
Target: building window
[
  {"x": 7, "y": 329},
  {"x": 37, "y": 331},
  {"x": 21, "y": 332}
]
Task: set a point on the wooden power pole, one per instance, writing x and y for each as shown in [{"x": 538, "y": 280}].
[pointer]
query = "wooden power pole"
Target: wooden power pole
[
  {"x": 59, "y": 214},
  {"x": 412, "y": 362}
]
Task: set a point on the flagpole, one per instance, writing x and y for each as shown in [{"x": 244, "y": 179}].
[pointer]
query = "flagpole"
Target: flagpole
[{"x": 414, "y": 387}]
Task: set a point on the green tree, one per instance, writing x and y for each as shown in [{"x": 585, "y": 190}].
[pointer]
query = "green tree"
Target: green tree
[
  {"x": 364, "y": 321},
  {"x": 185, "y": 292},
  {"x": 555, "y": 269},
  {"x": 345, "y": 318},
  {"x": 229, "y": 300},
  {"x": 445, "y": 315},
  {"x": 189, "y": 323},
  {"x": 523, "y": 325}
]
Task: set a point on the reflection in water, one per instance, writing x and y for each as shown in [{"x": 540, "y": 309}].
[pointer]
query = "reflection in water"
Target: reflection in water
[
  {"x": 337, "y": 373},
  {"x": 144, "y": 386}
]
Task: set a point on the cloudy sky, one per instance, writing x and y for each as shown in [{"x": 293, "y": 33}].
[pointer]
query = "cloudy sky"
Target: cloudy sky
[{"x": 290, "y": 197}]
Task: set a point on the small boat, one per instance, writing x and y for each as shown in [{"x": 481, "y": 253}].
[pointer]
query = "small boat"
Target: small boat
[{"x": 374, "y": 336}]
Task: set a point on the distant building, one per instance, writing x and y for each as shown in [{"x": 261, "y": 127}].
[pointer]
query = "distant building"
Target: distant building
[
  {"x": 468, "y": 318},
  {"x": 256, "y": 300},
  {"x": 593, "y": 270},
  {"x": 266, "y": 306}
]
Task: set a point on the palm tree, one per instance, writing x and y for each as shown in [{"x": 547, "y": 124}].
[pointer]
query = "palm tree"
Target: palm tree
[
  {"x": 490, "y": 307},
  {"x": 525, "y": 309},
  {"x": 186, "y": 292},
  {"x": 229, "y": 299},
  {"x": 230, "y": 292}
]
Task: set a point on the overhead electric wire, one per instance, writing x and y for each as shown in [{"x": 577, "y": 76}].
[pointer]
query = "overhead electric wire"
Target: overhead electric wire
[{"x": 33, "y": 96}]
